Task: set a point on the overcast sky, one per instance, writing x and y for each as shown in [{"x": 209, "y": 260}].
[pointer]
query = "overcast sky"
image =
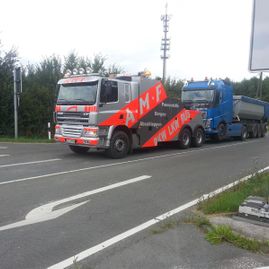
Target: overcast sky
[{"x": 208, "y": 38}]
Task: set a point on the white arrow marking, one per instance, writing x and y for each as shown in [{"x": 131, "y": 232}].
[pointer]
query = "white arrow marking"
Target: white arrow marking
[
  {"x": 109, "y": 242},
  {"x": 45, "y": 212}
]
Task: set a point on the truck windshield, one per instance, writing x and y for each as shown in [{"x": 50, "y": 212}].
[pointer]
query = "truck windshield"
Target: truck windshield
[
  {"x": 197, "y": 96},
  {"x": 84, "y": 94}
]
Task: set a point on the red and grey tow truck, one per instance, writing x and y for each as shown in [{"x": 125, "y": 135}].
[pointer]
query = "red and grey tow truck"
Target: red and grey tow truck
[{"x": 121, "y": 113}]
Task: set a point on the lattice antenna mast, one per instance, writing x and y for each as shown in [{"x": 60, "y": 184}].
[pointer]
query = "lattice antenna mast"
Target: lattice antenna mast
[{"x": 165, "y": 46}]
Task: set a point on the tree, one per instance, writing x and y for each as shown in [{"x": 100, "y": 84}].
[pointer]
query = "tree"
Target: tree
[
  {"x": 71, "y": 62},
  {"x": 173, "y": 87},
  {"x": 98, "y": 64},
  {"x": 38, "y": 97},
  {"x": 7, "y": 64}
]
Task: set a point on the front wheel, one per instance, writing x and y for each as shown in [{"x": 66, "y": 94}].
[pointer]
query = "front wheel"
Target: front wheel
[
  {"x": 119, "y": 145},
  {"x": 78, "y": 150},
  {"x": 198, "y": 138},
  {"x": 184, "y": 139},
  {"x": 222, "y": 132}
]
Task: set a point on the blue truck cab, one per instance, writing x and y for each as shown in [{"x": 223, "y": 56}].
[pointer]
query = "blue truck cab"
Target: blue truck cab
[{"x": 214, "y": 98}]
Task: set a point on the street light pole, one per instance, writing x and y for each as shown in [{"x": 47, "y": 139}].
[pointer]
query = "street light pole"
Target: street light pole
[{"x": 17, "y": 75}]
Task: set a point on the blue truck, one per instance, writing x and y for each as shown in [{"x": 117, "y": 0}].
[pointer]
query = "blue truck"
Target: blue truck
[{"x": 226, "y": 115}]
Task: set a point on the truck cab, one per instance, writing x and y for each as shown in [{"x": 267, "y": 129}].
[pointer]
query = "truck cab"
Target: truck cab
[
  {"x": 214, "y": 98},
  {"x": 84, "y": 103}
]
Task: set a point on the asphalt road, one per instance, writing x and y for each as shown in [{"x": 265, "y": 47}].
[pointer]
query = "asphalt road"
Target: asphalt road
[{"x": 81, "y": 201}]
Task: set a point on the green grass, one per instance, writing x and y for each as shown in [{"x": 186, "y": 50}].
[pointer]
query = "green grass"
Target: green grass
[
  {"x": 223, "y": 233},
  {"x": 230, "y": 200},
  {"x": 25, "y": 139},
  {"x": 165, "y": 226}
]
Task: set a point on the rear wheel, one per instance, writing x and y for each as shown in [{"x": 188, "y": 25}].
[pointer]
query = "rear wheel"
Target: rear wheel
[
  {"x": 254, "y": 132},
  {"x": 79, "y": 150},
  {"x": 263, "y": 128},
  {"x": 244, "y": 133},
  {"x": 184, "y": 139},
  {"x": 259, "y": 131},
  {"x": 198, "y": 138},
  {"x": 119, "y": 145}
]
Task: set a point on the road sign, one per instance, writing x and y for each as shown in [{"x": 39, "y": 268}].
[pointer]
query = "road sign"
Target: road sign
[{"x": 259, "y": 47}]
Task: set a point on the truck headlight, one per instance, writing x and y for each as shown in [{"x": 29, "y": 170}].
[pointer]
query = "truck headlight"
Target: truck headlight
[
  {"x": 208, "y": 123},
  {"x": 90, "y": 132},
  {"x": 58, "y": 130}
]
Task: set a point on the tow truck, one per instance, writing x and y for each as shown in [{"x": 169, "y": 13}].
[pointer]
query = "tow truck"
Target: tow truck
[{"x": 121, "y": 113}]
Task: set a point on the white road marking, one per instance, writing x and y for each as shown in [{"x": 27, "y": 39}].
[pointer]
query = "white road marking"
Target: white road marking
[
  {"x": 4, "y": 155},
  {"x": 45, "y": 212},
  {"x": 122, "y": 163},
  {"x": 3, "y": 147},
  {"x": 28, "y": 163},
  {"x": 90, "y": 251}
]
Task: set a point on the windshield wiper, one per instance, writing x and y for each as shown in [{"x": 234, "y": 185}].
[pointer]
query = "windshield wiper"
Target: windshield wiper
[{"x": 81, "y": 99}]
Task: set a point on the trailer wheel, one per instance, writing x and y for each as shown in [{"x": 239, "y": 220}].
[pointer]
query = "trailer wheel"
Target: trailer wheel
[
  {"x": 184, "y": 139},
  {"x": 78, "y": 150},
  {"x": 119, "y": 145},
  {"x": 254, "y": 132},
  {"x": 263, "y": 130},
  {"x": 244, "y": 133},
  {"x": 259, "y": 131},
  {"x": 198, "y": 138}
]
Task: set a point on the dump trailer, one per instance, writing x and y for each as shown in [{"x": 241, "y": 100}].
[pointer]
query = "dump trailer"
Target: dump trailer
[
  {"x": 122, "y": 113},
  {"x": 226, "y": 115}
]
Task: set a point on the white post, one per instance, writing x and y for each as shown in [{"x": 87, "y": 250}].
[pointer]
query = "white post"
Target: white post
[{"x": 49, "y": 131}]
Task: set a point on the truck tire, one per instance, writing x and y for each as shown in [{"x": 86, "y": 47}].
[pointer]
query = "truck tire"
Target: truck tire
[
  {"x": 263, "y": 128},
  {"x": 244, "y": 134},
  {"x": 78, "y": 150},
  {"x": 254, "y": 132},
  {"x": 119, "y": 145},
  {"x": 222, "y": 132},
  {"x": 198, "y": 138},
  {"x": 184, "y": 139},
  {"x": 259, "y": 131}
]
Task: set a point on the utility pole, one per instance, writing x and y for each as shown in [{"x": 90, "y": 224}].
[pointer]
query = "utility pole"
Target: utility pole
[{"x": 165, "y": 46}]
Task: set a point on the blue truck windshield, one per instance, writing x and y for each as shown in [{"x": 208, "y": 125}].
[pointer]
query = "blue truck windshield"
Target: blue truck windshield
[
  {"x": 84, "y": 94},
  {"x": 197, "y": 96}
]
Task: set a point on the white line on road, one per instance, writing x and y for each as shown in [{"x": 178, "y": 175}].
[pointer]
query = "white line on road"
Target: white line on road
[
  {"x": 4, "y": 155},
  {"x": 28, "y": 163},
  {"x": 45, "y": 212},
  {"x": 3, "y": 147},
  {"x": 90, "y": 251},
  {"x": 125, "y": 162}
]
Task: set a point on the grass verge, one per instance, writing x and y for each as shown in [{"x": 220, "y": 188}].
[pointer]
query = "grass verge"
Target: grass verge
[
  {"x": 223, "y": 233},
  {"x": 25, "y": 139},
  {"x": 229, "y": 201}
]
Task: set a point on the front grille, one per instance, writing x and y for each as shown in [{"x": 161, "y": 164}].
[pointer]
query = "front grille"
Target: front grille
[
  {"x": 71, "y": 131},
  {"x": 73, "y": 117}
]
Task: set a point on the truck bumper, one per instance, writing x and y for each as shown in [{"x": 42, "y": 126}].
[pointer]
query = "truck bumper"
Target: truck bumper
[{"x": 81, "y": 141}]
